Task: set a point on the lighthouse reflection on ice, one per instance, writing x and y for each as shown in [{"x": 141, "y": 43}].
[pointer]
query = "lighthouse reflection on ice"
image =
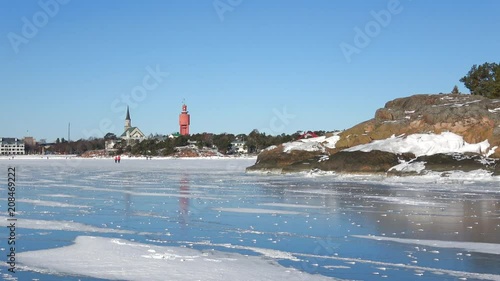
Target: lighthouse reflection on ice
[{"x": 184, "y": 200}]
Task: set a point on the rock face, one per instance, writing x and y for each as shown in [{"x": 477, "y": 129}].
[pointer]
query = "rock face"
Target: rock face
[
  {"x": 445, "y": 162},
  {"x": 350, "y": 162},
  {"x": 275, "y": 159},
  {"x": 474, "y": 118}
]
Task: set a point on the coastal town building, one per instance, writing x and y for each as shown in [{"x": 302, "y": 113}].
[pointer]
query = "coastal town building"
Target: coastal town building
[
  {"x": 239, "y": 147},
  {"x": 29, "y": 141},
  {"x": 11, "y": 146},
  {"x": 131, "y": 134},
  {"x": 184, "y": 121},
  {"x": 109, "y": 146}
]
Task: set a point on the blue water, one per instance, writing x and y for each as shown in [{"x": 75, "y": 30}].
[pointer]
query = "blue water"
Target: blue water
[{"x": 195, "y": 203}]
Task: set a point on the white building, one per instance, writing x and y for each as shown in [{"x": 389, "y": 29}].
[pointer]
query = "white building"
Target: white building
[
  {"x": 11, "y": 146},
  {"x": 109, "y": 145},
  {"x": 131, "y": 134},
  {"x": 239, "y": 147}
]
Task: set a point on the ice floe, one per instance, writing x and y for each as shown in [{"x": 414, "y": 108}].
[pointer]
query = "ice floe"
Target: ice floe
[{"x": 110, "y": 258}]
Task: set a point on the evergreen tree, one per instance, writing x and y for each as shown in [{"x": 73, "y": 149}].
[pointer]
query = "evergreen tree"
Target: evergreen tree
[
  {"x": 483, "y": 80},
  {"x": 110, "y": 136},
  {"x": 455, "y": 90}
]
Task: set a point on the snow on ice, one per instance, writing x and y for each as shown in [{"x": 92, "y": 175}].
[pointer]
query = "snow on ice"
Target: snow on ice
[{"x": 111, "y": 258}]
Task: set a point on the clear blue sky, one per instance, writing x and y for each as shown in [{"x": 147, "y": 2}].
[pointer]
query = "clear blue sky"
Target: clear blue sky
[{"x": 234, "y": 68}]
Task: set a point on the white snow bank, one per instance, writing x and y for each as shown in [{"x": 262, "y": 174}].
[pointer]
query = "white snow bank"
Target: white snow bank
[
  {"x": 303, "y": 145},
  {"x": 409, "y": 167},
  {"x": 118, "y": 259},
  {"x": 331, "y": 141},
  {"x": 487, "y": 248},
  {"x": 424, "y": 144},
  {"x": 312, "y": 144},
  {"x": 270, "y": 147}
]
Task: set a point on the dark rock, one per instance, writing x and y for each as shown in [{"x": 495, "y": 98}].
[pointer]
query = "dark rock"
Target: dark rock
[
  {"x": 276, "y": 159},
  {"x": 457, "y": 162},
  {"x": 496, "y": 171},
  {"x": 360, "y": 162},
  {"x": 350, "y": 162}
]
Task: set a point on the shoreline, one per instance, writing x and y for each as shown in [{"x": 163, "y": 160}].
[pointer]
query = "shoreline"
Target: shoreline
[{"x": 75, "y": 157}]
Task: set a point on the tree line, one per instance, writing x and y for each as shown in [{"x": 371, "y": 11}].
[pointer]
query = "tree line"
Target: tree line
[{"x": 159, "y": 145}]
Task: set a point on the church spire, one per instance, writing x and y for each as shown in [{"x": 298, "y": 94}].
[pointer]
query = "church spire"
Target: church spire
[
  {"x": 128, "y": 121},
  {"x": 128, "y": 114}
]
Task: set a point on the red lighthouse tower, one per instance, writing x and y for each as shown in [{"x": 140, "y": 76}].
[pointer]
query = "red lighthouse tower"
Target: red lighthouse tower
[{"x": 184, "y": 121}]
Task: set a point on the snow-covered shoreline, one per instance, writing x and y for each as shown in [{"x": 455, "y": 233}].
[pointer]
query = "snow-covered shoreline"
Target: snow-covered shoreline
[
  {"x": 75, "y": 157},
  {"x": 418, "y": 144}
]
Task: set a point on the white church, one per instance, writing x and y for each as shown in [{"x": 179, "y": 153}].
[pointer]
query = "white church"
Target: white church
[{"x": 131, "y": 134}]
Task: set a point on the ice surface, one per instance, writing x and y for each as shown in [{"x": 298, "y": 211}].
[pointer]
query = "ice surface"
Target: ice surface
[
  {"x": 61, "y": 225},
  {"x": 291, "y": 205},
  {"x": 487, "y": 248},
  {"x": 51, "y": 203},
  {"x": 257, "y": 211},
  {"x": 282, "y": 221},
  {"x": 405, "y": 201},
  {"x": 111, "y": 258}
]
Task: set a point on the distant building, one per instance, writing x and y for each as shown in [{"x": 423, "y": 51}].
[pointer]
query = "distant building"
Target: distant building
[
  {"x": 308, "y": 135},
  {"x": 131, "y": 134},
  {"x": 109, "y": 145},
  {"x": 29, "y": 141},
  {"x": 174, "y": 135},
  {"x": 30, "y": 145},
  {"x": 239, "y": 147},
  {"x": 11, "y": 146},
  {"x": 184, "y": 121}
]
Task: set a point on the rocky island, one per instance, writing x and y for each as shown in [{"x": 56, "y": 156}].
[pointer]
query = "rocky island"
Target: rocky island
[{"x": 413, "y": 135}]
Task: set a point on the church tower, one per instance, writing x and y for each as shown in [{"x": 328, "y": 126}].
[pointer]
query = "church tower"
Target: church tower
[{"x": 128, "y": 122}]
